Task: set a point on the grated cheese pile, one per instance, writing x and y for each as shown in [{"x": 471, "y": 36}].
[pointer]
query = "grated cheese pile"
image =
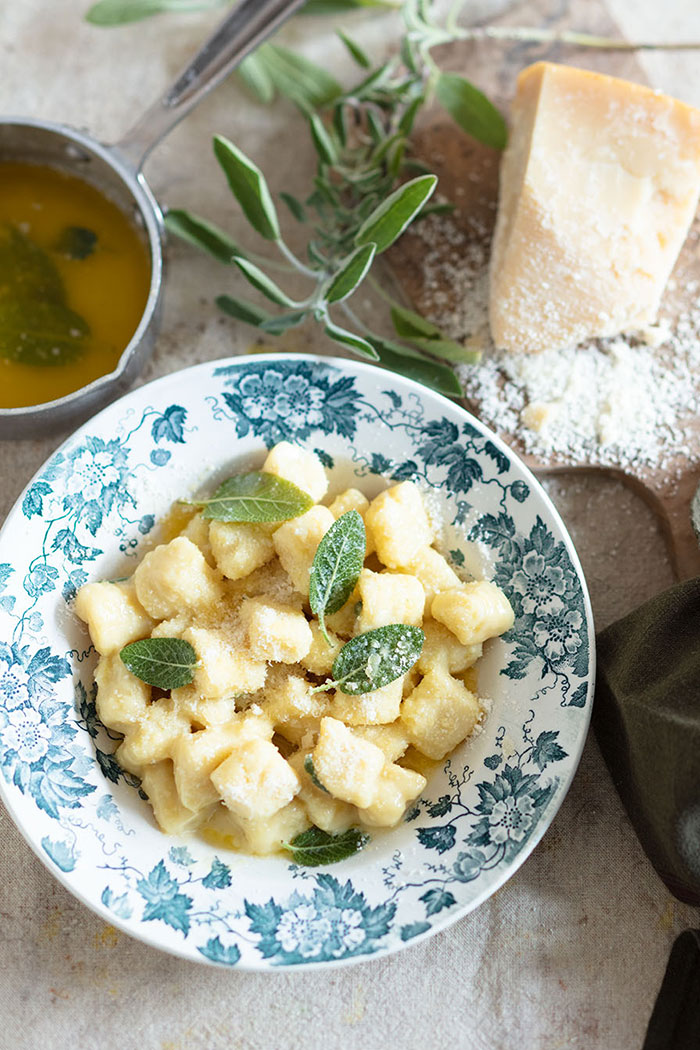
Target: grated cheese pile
[{"x": 627, "y": 401}]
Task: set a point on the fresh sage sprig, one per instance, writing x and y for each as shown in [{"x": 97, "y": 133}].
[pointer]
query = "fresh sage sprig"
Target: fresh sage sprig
[
  {"x": 314, "y": 846},
  {"x": 363, "y": 196},
  {"x": 120, "y": 12},
  {"x": 254, "y": 497},
  {"x": 168, "y": 663},
  {"x": 336, "y": 567},
  {"x": 374, "y": 659},
  {"x": 203, "y": 234},
  {"x": 333, "y": 279}
]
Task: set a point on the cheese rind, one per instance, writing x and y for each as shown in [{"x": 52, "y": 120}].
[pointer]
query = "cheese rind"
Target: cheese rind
[{"x": 599, "y": 186}]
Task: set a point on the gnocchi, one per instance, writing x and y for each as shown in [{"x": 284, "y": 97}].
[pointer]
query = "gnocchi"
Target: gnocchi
[
  {"x": 239, "y": 548},
  {"x": 255, "y": 781},
  {"x": 259, "y": 746},
  {"x": 389, "y": 597},
  {"x": 399, "y": 526},
  {"x": 113, "y": 614},
  {"x": 296, "y": 542},
  {"x": 474, "y": 612},
  {"x": 122, "y": 700},
  {"x": 176, "y": 576}
]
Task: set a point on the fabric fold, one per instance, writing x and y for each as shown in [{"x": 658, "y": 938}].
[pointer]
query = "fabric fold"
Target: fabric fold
[{"x": 647, "y": 721}]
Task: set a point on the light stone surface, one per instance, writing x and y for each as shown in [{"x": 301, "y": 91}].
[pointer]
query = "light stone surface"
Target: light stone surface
[{"x": 570, "y": 953}]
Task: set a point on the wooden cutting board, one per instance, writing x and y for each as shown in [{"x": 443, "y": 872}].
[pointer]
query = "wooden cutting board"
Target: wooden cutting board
[{"x": 468, "y": 176}]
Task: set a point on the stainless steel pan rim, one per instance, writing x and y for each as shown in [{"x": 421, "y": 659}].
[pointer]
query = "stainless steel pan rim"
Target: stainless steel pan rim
[{"x": 19, "y": 422}]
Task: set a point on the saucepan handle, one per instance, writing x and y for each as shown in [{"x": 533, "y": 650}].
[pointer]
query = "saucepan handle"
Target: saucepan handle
[
  {"x": 674, "y": 498},
  {"x": 250, "y": 22}
]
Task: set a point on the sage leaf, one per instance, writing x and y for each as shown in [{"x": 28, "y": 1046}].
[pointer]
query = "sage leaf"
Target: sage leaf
[
  {"x": 390, "y": 219},
  {"x": 259, "y": 279},
  {"x": 295, "y": 206},
  {"x": 374, "y": 659},
  {"x": 256, "y": 78},
  {"x": 425, "y": 334},
  {"x": 355, "y": 342},
  {"x": 36, "y": 326},
  {"x": 252, "y": 314},
  {"x": 416, "y": 166},
  {"x": 406, "y": 49},
  {"x": 202, "y": 234},
  {"x": 309, "y": 767},
  {"x": 110, "y": 13},
  {"x": 327, "y": 192},
  {"x": 403, "y": 350},
  {"x": 36, "y": 332},
  {"x": 372, "y": 81},
  {"x": 76, "y": 242},
  {"x": 470, "y": 108},
  {"x": 375, "y": 127},
  {"x": 409, "y": 324},
  {"x": 340, "y": 123},
  {"x": 439, "y": 208},
  {"x": 385, "y": 146},
  {"x": 26, "y": 271},
  {"x": 449, "y": 350},
  {"x": 280, "y": 323},
  {"x": 242, "y": 310},
  {"x": 395, "y": 162},
  {"x": 255, "y": 497},
  {"x": 119, "y": 12},
  {"x": 299, "y": 79},
  {"x": 333, "y": 7},
  {"x": 414, "y": 365},
  {"x": 337, "y": 564},
  {"x": 315, "y": 256},
  {"x": 351, "y": 273},
  {"x": 314, "y": 846},
  {"x": 354, "y": 50},
  {"x": 323, "y": 143},
  {"x": 167, "y": 663},
  {"x": 249, "y": 187},
  {"x": 409, "y": 117}
]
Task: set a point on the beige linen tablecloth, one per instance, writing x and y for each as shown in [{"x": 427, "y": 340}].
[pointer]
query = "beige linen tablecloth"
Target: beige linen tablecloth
[{"x": 570, "y": 953}]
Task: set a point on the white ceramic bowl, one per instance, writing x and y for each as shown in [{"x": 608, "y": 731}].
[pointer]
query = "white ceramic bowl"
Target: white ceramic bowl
[{"x": 85, "y": 516}]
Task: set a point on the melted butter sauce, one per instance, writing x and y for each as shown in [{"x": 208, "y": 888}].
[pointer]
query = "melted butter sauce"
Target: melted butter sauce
[
  {"x": 108, "y": 288},
  {"x": 172, "y": 523}
]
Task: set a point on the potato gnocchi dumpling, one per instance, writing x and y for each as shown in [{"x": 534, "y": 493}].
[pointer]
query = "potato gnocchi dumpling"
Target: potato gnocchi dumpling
[{"x": 250, "y": 752}]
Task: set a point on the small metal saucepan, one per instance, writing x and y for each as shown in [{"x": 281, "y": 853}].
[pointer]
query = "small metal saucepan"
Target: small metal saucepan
[{"x": 116, "y": 171}]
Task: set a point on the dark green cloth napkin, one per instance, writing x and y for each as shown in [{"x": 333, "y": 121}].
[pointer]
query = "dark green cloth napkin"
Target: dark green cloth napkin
[
  {"x": 647, "y": 720},
  {"x": 675, "y": 1022}
]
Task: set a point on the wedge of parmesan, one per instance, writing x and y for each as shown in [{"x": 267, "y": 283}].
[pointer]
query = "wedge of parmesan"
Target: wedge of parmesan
[{"x": 599, "y": 186}]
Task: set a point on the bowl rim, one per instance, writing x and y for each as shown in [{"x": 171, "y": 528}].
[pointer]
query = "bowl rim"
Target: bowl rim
[{"x": 143, "y": 933}]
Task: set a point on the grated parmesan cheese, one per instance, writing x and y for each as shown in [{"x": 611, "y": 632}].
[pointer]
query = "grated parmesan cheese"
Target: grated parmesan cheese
[{"x": 624, "y": 401}]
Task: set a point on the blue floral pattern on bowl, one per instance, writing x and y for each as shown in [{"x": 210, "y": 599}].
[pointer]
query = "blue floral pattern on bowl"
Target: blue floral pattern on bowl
[{"x": 89, "y": 514}]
